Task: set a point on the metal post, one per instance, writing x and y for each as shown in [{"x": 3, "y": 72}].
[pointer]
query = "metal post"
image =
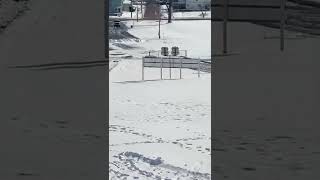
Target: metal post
[
  {"x": 225, "y": 26},
  {"x": 161, "y": 68},
  {"x": 170, "y": 66},
  {"x": 199, "y": 68},
  {"x": 143, "y": 69},
  {"x": 180, "y": 68},
  {"x": 282, "y": 24}
]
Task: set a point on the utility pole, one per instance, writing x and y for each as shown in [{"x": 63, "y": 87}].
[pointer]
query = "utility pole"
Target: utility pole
[
  {"x": 132, "y": 8},
  {"x": 159, "y": 21}
]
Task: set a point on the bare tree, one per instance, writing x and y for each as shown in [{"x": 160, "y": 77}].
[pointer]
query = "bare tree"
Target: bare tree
[
  {"x": 170, "y": 11},
  {"x": 169, "y": 5}
]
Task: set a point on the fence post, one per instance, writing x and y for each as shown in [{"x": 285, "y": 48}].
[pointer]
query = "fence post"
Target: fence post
[
  {"x": 199, "y": 68},
  {"x": 170, "y": 66},
  {"x": 161, "y": 68},
  {"x": 180, "y": 68},
  {"x": 142, "y": 68}
]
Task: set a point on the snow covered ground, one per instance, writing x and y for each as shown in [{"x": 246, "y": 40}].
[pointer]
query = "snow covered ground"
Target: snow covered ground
[
  {"x": 52, "y": 120},
  {"x": 160, "y": 129},
  {"x": 191, "y": 14},
  {"x": 184, "y": 34}
]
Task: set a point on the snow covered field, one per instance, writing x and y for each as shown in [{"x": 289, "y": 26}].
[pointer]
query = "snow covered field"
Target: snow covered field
[
  {"x": 159, "y": 129},
  {"x": 192, "y": 14},
  {"x": 196, "y": 39}
]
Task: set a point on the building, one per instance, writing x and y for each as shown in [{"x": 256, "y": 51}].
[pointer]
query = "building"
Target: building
[
  {"x": 126, "y": 5},
  {"x": 198, "y": 4},
  {"x": 115, "y": 7},
  {"x": 191, "y": 5},
  {"x": 179, "y": 4}
]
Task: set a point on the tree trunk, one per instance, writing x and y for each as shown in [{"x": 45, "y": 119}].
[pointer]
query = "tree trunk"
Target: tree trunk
[{"x": 170, "y": 11}]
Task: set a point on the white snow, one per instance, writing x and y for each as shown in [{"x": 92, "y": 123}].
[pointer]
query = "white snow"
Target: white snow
[
  {"x": 196, "y": 39},
  {"x": 191, "y": 14},
  {"x": 160, "y": 128},
  {"x": 164, "y": 10}
]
